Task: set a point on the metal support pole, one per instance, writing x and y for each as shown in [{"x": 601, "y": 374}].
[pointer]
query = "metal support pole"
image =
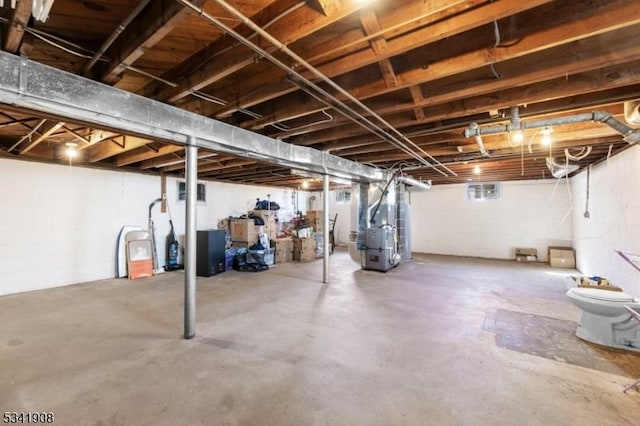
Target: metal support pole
[
  {"x": 325, "y": 226},
  {"x": 190, "y": 243}
]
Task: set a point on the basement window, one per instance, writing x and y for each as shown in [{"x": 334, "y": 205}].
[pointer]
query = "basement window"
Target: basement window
[
  {"x": 343, "y": 197},
  {"x": 201, "y": 191},
  {"x": 483, "y": 191}
]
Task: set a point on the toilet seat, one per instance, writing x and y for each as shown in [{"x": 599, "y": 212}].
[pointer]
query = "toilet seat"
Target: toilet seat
[{"x": 604, "y": 295}]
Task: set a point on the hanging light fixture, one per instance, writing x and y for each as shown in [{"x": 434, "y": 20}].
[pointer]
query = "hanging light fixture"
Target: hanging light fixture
[
  {"x": 517, "y": 136},
  {"x": 71, "y": 150},
  {"x": 476, "y": 170},
  {"x": 546, "y": 136},
  {"x": 39, "y": 8}
]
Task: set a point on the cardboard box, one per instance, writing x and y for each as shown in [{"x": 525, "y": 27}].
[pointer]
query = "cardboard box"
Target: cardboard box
[
  {"x": 526, "y": 254},
  {"x": 304, "y": 244},
  {"x": 315, "y": 219},
  {"x": 270, "y": 219},
  {"x": 284, "y": 250},
  {"x": 562, "y": 257},
  {"x": 304, "y": 255},
  {"x": 244, "y": 230}
]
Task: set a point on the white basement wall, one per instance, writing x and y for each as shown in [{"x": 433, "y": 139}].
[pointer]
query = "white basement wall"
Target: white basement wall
[
  {"x": 529, "y": 214},
  {"x": 59, "y": 224},
  {"x": 614, "y": 222},
  {"x": 343, "y": 220}
]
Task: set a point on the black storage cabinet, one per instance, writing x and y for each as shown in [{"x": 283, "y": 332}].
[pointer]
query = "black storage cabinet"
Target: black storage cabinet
[{"x": 210, "y": 252}]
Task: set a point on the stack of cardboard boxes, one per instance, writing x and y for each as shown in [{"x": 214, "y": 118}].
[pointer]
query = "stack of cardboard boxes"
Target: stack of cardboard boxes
[
  {"x": 270, "y": 218},
  {"x": 304, "y": 249},
  {"x": 315, "y": 219},
  {"x": 244, "y": 232},
  {"x": 284, "y": 250}
]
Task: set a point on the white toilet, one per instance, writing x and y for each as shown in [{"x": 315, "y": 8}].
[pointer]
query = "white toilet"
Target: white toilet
[{"x": 604, "y": 320}]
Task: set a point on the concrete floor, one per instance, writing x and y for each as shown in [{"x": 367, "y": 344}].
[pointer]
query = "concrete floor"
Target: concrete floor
[{"x": 434, "y": 342}]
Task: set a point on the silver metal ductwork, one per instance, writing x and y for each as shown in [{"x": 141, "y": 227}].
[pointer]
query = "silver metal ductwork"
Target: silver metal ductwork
[
  {"x": 632, "y": 112},
  {"x": 560, "y": 170},
  {"x": 413, "y": 184},
  {"x": 478, "y": 138},
  {"x": 629, "y": 134}
]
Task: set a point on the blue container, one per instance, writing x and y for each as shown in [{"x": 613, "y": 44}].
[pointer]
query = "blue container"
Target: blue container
[{"x": 229, "y": 254}]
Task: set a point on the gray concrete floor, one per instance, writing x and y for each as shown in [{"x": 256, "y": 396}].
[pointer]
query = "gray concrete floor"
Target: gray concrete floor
[{"x": 409, "y": 347}]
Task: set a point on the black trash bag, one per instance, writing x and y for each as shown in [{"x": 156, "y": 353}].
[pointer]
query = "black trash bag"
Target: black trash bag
[
  {"x": 257, "y": 220},
  {"x": 240, "y": 264}
]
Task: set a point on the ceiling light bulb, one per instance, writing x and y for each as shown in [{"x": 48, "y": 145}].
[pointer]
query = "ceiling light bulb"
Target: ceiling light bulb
[
  {"x": 305, "y": 184},
  {"x": 476, "y": 170},
  {"x": 546, "y": 135},
  {"x": 71, "y": 149},
  {"x": 517, "y": 136}
]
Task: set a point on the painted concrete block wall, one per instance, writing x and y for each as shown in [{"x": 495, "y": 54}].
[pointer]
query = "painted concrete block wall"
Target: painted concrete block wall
[
  {"x": 224, "y": 200},
  {"x": 614, "y": 222},
  {"x": 343, "y": 221},
  {"x": 529, "y": 214},
  {"x": 59, "y": 224}
]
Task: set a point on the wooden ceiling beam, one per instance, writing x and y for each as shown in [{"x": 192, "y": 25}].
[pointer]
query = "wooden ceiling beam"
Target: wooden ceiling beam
[
  {"x": 418, "y": 99},
  {"x": 110, "y": 148},
  {"x": 370, "y": 25},
  {"x": 404, "y": 17},
  {"x": 222, "y": 165},
  {"x": 76, "y": 135},
  {"x": 299, "y": 23},
  {"x": 15, "y": 122},
  {"x": 591, "y": 87},
  {"x": 146, "y": 153},
  {"x": 576, "y": 36},
  {"x": 16, "y": 26},
  {"x": 430, "y": 34},
  {"x": 44, "y": 135},
  {"x": 590, "y": 55},
  {"x": 157, "y": 20},
  {"x": 174, "y": 161}
]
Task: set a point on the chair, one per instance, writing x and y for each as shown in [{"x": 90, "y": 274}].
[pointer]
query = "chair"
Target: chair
[{"x": 636, "y": 315}]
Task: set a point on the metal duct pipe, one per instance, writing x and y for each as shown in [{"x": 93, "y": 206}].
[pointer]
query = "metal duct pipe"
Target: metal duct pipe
[
  {"x": 29, "y": 85},
  {"x": 108, "y": 42},
  {"x": 363, "y": 215},
  {"x": 629, "y": 134},
  {"x": 515, "y": 118},
  {"x": 403, "y": 222},
  {"x": 418, "y": 184},
  {"x": 632, "y": 112},
  {"x": 560, "y": 170},
  {"x": 478, "y": 138},
  {"x": 354, "y": 253}
]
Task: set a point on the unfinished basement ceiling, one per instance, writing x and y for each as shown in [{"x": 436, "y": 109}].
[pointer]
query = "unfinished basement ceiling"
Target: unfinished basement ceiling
[{"x": 426, "y": 68}]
